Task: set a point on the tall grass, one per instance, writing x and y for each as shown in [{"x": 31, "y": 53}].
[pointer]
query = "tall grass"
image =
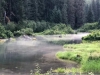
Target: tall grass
[
  {"x": 86, "y": 54},
  {"x": 92, "y": 66}
]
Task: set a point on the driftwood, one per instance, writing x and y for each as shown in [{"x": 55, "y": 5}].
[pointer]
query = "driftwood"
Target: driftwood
[
  {"x": 12, "y": 17},
  {"x": 7, "y": 20}
]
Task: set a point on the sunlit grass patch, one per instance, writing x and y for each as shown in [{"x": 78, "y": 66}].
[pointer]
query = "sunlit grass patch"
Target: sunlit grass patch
[
  {"x": 86, "y": 54},
  {"x": 92, "y": 66},
  {"x": 86, "y": 47},
  {"x": 60, "y": 70},
  {"x": 74, "y": 56}
]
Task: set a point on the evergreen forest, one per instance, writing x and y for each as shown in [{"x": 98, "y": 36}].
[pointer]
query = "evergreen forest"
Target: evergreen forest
[{"x": 40, "y": 15}]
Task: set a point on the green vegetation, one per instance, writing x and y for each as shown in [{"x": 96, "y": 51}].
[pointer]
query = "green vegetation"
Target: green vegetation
[
  {"x": 5, "y": 33},
  {"x": 87, "y": 54},
  {"x": 88, "y": 27},
  {"x": 27, "y": 17},
  {"x": 60, "y": 70},
  {"x": 26, "y": 31},
  {"x": 58, "y": 29},
  {"x": 29, "y": 27},
  {"x": 93, "y": 36},
  {"x": 10, "y": 26},
  {"x": 70, "y": 56}
]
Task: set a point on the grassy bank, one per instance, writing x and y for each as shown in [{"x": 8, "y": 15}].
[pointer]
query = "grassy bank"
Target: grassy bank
[{"x": 86, "y": 54}]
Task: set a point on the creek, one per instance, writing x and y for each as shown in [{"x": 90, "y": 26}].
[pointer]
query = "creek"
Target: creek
[{"x": 19, "y": 57}]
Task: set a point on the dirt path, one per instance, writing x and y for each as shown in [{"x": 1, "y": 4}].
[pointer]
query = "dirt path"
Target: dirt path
[{"x": 23, "y": 55}]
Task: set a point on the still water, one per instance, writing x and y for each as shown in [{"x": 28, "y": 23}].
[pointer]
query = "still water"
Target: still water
[{"x": 21, "y": 56}]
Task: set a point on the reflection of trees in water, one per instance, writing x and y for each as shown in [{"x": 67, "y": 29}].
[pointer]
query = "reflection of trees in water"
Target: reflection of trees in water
[
  {"x": 62, "y": 42},
  {"x": 2, "y": 53},
  {"x": 5, "y": 55},
  {"x": 9, "y": 54}
]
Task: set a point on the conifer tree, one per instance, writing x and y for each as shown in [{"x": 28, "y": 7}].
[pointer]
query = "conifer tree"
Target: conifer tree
[
  {"x": 98, "y": 9},
  {"x": 90, "y": 15},
  {"x": 64, "y": 12}
]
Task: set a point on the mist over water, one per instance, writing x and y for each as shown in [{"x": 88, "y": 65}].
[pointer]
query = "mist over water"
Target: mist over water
[{"x": 22, "y": 54}]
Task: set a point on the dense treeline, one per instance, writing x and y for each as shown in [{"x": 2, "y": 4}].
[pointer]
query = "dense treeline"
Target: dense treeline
[
  {"x": 73, "y": 12},
  {"x": 70, "y": 12}
]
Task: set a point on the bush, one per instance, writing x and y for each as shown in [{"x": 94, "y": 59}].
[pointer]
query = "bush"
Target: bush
[
  {"x": 58, "y": 29},
  {"x": 5, "y": 33},
  {"x": 3, "y": 36},
  {"x": 88, "y": 26},
  {"x": 37, "y": 26},
  {"x": 2, "y": 29},
  {"x": 93, "y": 36},
  {"x": 2, "y": 32},
  {"x": 41, "y": 26},
  {"x": 11, "y": 26},
  {"x": 18, "y": 33},
  {"x": 26, "y": 31},
  {"x": 30, "y": 24},
  {"x": 9, "y": 34}
]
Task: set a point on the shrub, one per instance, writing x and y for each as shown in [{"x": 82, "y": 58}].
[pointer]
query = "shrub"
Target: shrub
[
  {"x": 93, "y": 36},
  {"x": 41, "y": 26},
  {"x": 10, "y": 26},
  {"x": 26, "y": 31},
  {"x": 88, "y": 26},
  {"x": 18, "y": 33},
  {"x": 9, "y": 34},
  {"x": 5, "y": 33},
  {"x": 58, "y": 29},
  {"x": 37, "y": 26},
  {"x": 3, "y": 36},
  {"x": 2, "y": 32},
  {"x": 30, "y": 24},
  {"x": 2, "y": 29},
  {"x": 21, "y": 25}
]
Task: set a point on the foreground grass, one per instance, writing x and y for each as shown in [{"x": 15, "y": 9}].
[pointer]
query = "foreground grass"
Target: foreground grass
[
  {"x": 86, "y": 54},
  {"x": 59, "y": 71}
]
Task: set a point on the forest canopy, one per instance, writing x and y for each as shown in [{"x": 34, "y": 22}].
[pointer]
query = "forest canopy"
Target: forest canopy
[{"x": 73, "y": 12}]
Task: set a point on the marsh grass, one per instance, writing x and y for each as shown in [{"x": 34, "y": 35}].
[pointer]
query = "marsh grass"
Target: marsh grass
[
  {"x": 92, "y": 66},
  {"x": 74, "y": 56},
  {"x": 86, "y": 54}
]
